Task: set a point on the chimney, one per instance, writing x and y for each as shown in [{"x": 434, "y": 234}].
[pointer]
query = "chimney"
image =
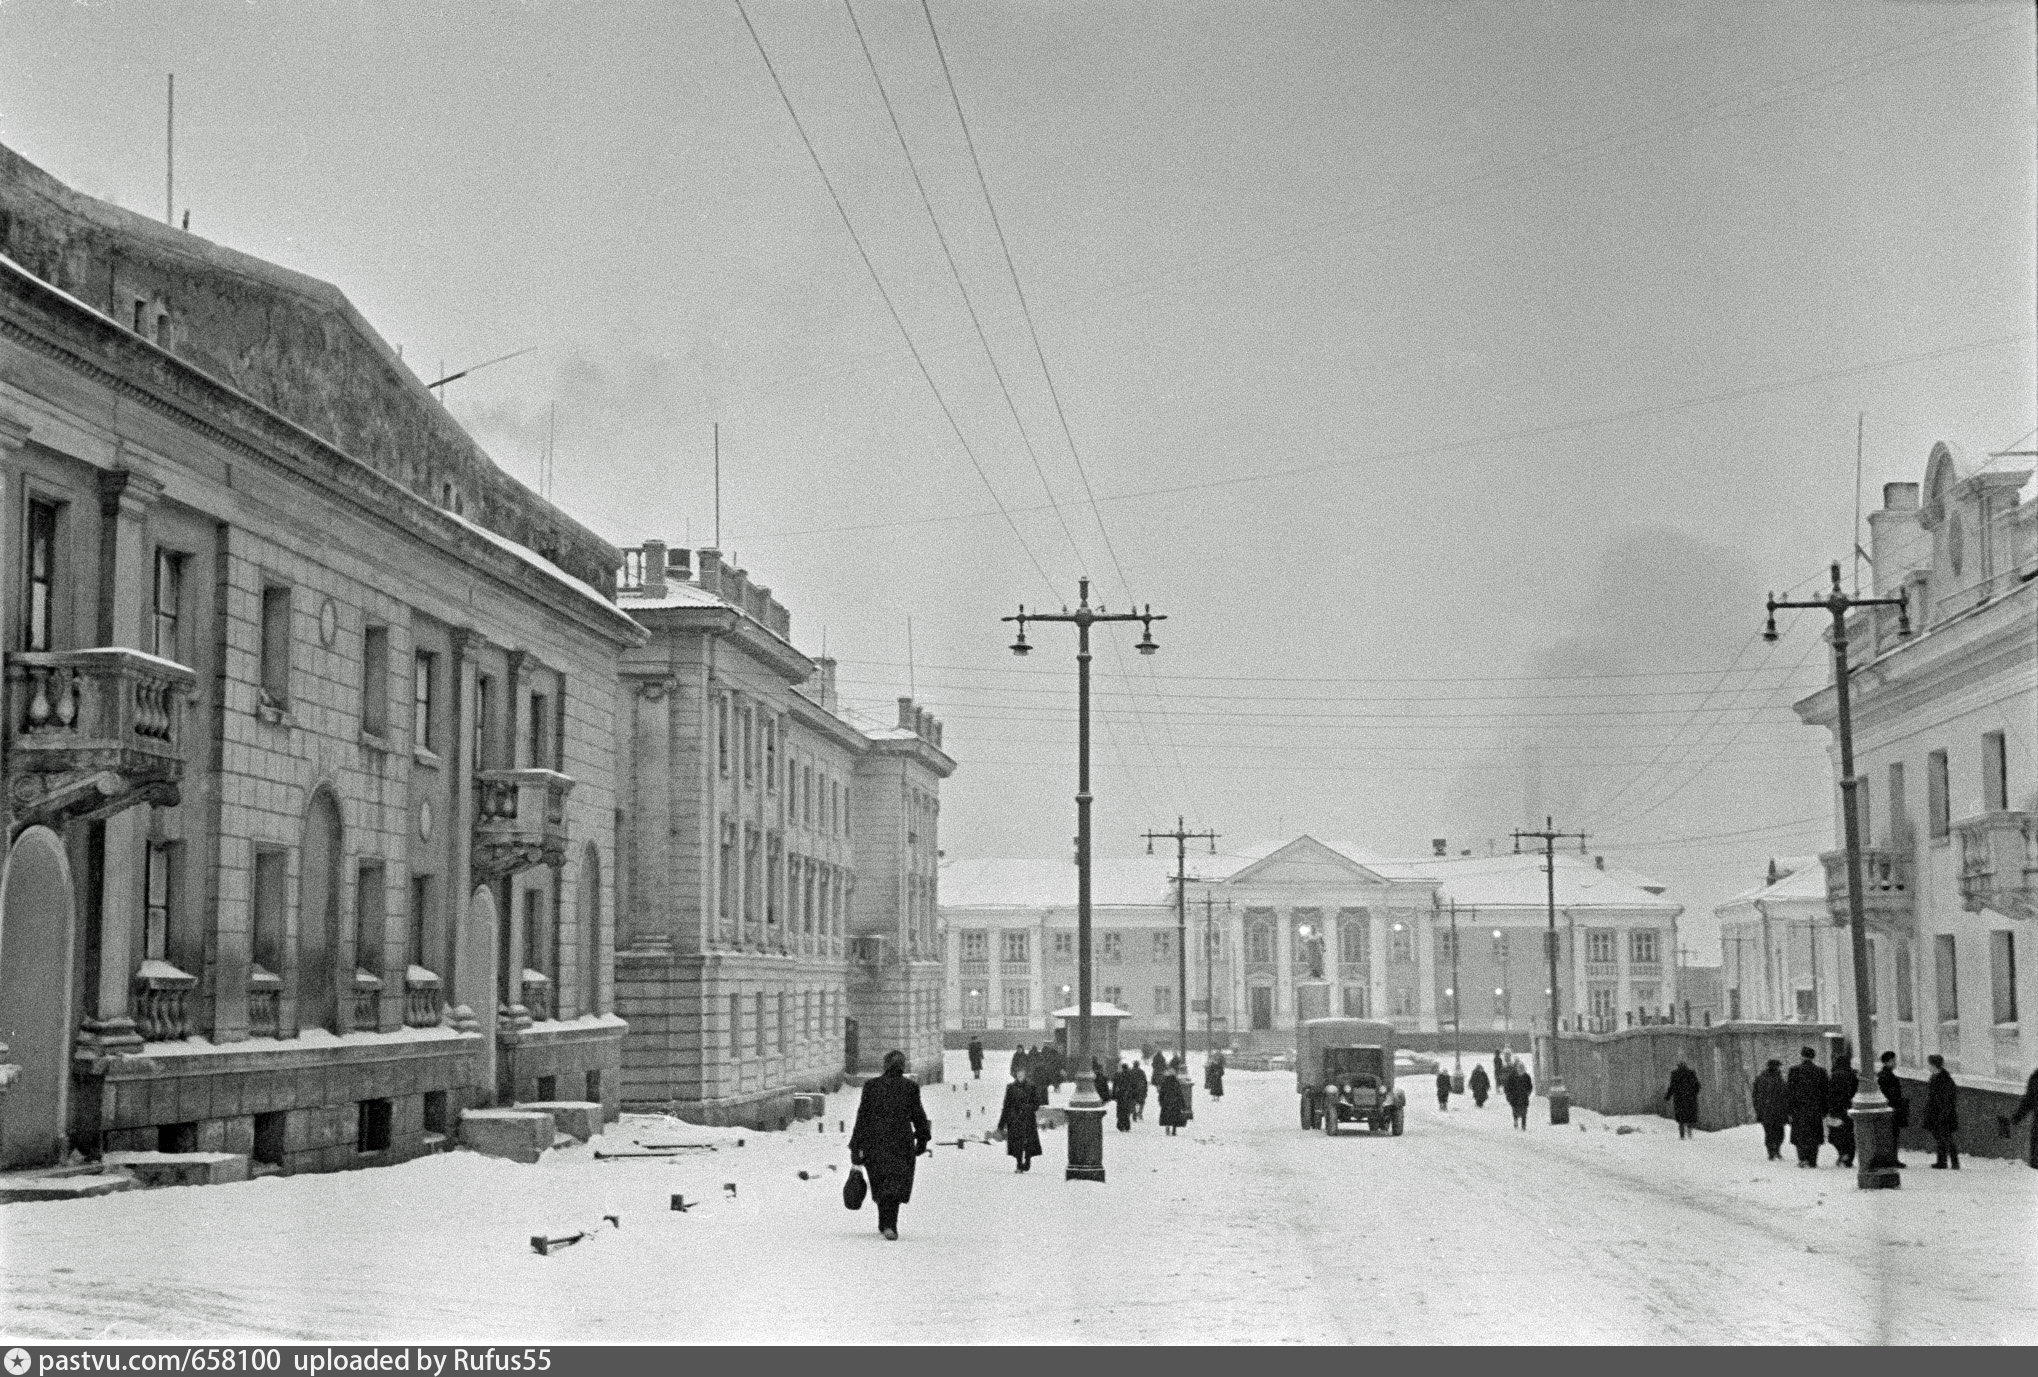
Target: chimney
[
  {"x": 1897, "y": 542},
  {"x": 711, "y": 570},
  {"x": 1440, "y": 845},
  {"x": 679, "y": 565},
  {"x": 906, "y": 713},
  {"x": 654, "y": 568},
  {"x": 824, "y": 674},
  {"x": 923, "y": 725}
]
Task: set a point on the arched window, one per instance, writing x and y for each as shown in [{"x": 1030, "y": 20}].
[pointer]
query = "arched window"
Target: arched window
[{"x": 319, "y": 959}]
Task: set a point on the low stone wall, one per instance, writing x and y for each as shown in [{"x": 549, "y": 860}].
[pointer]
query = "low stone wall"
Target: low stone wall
[{"x": 1627, "y": 1072}]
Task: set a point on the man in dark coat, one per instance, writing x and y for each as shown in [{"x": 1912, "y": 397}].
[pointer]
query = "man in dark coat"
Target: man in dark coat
[
  {"x": 1772, "y": 1107},
  {"x": 1018, "y": 1122},
  {"x": 1805, "y": 1093},
  {"x": 1478, "y": 1085},
  {"x": 1942, "y": 1118},
  {"x": 976, "y": 1059},
  {"x": 1213, "y": 1078},
  {"x": 1900, "y": 1106},
  {"x": 1683, "y": 1097},
  {"x": 1138, "y": 1087},
  {"x": 2028, "y": 1106},
  {"x": 1443, "y": 1091},
  {"x": 1841, "y": 1085},
  {"x": 1123, "y": 1094},
  {"x": 1518, "y": 1087},
  {"x": 1022, "y": 1061},
  {"x": 1173, "y": 1104},
  {"x": 890, "y": 1134}
]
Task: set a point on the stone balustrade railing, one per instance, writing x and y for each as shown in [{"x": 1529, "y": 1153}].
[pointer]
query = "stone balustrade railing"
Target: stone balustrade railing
[
  {"x": 366, "y": 1013},
  {"x": 423, "y": 1004},
  {"x": 94, "y": 731},
  {"x": 265, "y": 1003},
  {"x": 161, "y": 992}
]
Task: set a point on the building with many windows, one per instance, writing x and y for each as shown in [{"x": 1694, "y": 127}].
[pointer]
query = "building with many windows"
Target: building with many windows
[
  {"x": 1780, "y": 953},
  {"x": 1945, "y": 721},
  {"x": 779, "y": 857},
  {"x": 309, "y": 739},
  {"x": 1427, "y": 944}
]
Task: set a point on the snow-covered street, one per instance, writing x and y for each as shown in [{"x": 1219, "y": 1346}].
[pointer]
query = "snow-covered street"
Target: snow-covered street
[{"x": 1243, "y": 1228}]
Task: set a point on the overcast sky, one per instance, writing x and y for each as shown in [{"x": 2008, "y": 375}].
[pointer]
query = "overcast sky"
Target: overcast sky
[{"x": 1421, "y": 359}]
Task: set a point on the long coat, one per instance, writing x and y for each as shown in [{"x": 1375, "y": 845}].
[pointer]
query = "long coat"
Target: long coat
[
  {"x": 1518, "y": 1087},
  {"x": 1805, "y": 1087},
  {"x": 1772, "y": 1101},
  {"x": 1841, "y": 1086},
  {"x": 1213, "y": 1077},
  {"x": 2028, "y": 1107},
  {"x": 890, "y": 1134},
  {"x": 1137, "y": 1086},
  {"x": 1021, "y": 1127},
  {"x": 976, "y": 1055},
  {"x": 1478, "y": 1083},
  {"x": 1174, "y": 1109},
  {"x": 1683, "y": 1094},
  {"x": 1940, "y": 1115},
  {"x": 1893, "y": 1090}
]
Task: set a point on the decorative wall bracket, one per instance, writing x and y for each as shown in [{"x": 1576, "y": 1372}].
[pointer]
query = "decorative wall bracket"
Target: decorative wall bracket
[
  {"x": 519, "y": 821},
  {"x": 92, "y": 732}
]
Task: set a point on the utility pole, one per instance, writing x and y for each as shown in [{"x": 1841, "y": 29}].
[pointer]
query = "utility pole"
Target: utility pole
[
  {"x": 1874, "y": 1119},
  {"x": 1181, "y": 837},
  {"x": 1560, "y": 1099},
  {"x": 1086, "y": 1111},
  {"x": 170, "y": 154},
  {"x": 1457, "y": 1027},
  {"x": 1209, "y": 976}
]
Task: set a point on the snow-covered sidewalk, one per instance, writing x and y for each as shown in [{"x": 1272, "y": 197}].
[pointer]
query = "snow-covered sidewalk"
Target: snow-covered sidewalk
[{"x": 1242, "y": 1228}]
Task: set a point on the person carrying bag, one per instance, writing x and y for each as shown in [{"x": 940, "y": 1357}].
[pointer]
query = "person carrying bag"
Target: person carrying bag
[{"x": 855, "y": 1189}]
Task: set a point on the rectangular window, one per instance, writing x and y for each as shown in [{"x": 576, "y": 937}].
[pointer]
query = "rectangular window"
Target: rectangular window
[
  {"x": 1356, "y": 1003},
  {"x": 420, "y": 914},
  {"x": 758, "y": 1000},
  {"x": 159, "y": 887},
  {"x": 1995, "y": 773},
  {"x": 1642, "y": 948},
  {"x": 974, "y": 947},
  {"x": 1017, "y": 949},
  {"x": 1499, "y": 947},
  {"x": 271, "y": 899},
  {"x": 2002, "y": 967},
  {"x": 375, "y": 680},
  {"x": 1906, "y": 997},
  {"x": 371, "y": 908},
  {"x": 1874, "y": 991},
  {"x": 1018, "y": 1001},
  {"x": 973, "y": 1003},
  {"x": 1807, "y": 1005},
  {"x": 1163, "y": 999},
  {"x": 276, "y": 646},
  {"x": 1163, "y": 946},
  {"x": 771, "y": 756},
  {"x": 1599, "y": 1001},
  {"x": 1114, "y": 994},
  {"x": 541, "y": 732},
  {"x": 1354, "y": 937},
  {"x": 1936, "y": 793},
  {"x": 722, "y": 733},
  {"x": 424, "y": 694},
  {"x": 1944, "y": 959},
  {"x": 725, "y": 899},
  {"x": 1064, "y": 946},
  {"x": 1114, "y": 949},
  {"x": 773, "y": 861},
  {"x": 807, "y": 795},
  {"x": 169, "y": 603},
  {"x": 1404, "y": 1003},
  {"x": 1447, "y": 946},
  {"x": 736, "y": 1027},
  {"x": 1401, "y": 944},
  {"x": 1599, "y": 946},
  {"x": 534, "y": 931},
  {"x": 783, "y": 1043},
  {"x": 40, "y": 632},
  {"x": 1899, "y": 823},
  {"x": 749, "y": 720},
  {"x": 371, "y": 1126}
]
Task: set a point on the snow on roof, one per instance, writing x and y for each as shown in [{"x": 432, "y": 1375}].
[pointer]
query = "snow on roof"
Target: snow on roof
[
  {"x": 540, "y": 563},
  {"x": 1131, "y": 882},
  {"x": 1519, "y": 881},
  {"x": 1805, "y": 882},
  {"x": 1098, "y": 1009},
  {"x": 676, "y": 595}
]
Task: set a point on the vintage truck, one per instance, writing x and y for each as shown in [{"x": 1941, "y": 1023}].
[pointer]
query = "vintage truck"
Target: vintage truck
[{"x": 1344, "y": 1074}]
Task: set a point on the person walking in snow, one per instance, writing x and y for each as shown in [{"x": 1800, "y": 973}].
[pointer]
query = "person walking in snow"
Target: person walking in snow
[
  {"x": 1443, "y": 1091},
  {"x": 2028, "y": 1107},
  {"x": 890, "y": 1134},
  {"x": 1174, "y": 1104},
  {"x": 1139, "y": 1087},
  {"x": 1841, "y": 1084},
  {"x": 1018, "y": 1122},
  {"x": 1122, "y": 1095},
  {"x": 1213, "y": 1077},
  {"x": 1683, "y": 1097},
  {"x": 1942, "y": 1117},
  {"x": 1805, "y": 1088},
  {"x": 976, "y": 1059},
  {"x": 1518, "y": 1088},
  {"x": 1900, "y": 1107},
  {"x": 1772, "y": 1107},
  {"x": 1478, "y": 1085}
]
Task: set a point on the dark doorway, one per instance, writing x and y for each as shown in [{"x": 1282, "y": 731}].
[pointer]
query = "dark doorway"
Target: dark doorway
[
  {"x": 318, "y": 917},
  {"x": 1263, "y": 1008},
  {"x": 851, "y": 1056}
]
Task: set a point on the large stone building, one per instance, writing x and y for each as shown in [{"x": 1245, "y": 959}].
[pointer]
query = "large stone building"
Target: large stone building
[
  {"x": 308, "y": 727},
  {"x": 1780, "y": 953},
  {"x": 1423, "y": 943},
  {"x": 1945, "y": 722},
  {"x": 779, "y": 868}
]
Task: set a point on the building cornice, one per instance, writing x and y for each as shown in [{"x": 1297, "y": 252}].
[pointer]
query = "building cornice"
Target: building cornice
[{"x": 725, "y": 623}]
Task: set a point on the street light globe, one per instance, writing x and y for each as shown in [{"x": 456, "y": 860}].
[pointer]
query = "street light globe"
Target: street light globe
[
  {"x": 1450, "y": 993},
  {"x": 1496, "y": 932},
  {"x": 1497, "y": 992},
  {"x": 1397, "y": 927}
]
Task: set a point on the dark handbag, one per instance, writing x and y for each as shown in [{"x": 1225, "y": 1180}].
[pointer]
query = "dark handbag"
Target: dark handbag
[{"x": 854, "y": 1189}]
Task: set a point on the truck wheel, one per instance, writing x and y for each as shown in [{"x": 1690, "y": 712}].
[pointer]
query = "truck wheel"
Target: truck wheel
[{"x": 1396, "y": 1127}]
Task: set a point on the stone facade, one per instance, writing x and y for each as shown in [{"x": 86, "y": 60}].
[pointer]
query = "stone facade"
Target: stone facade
[
  {"x": 770, "y": 834},
  {"x": 1944, "y": 725},
  {"x": 309, "y": 722}
]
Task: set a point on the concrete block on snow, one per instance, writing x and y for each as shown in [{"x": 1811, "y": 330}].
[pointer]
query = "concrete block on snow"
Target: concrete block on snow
[
  {"x": 180, "y": 1168},
  {"x": 521, "y": 1135},
  {"x": 578, "y": 1119}
]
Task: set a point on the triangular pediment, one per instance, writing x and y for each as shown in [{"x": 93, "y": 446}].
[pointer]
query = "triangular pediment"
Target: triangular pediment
[{"x": 1306, "y": 863}]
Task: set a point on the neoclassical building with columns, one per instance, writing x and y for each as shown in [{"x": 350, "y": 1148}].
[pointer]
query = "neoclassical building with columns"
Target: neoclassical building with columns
[{"x": 1430, "y": 944}]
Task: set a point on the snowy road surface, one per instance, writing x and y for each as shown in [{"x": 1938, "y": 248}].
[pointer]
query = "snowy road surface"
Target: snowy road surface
[{"x": 1244, "y": 1228}]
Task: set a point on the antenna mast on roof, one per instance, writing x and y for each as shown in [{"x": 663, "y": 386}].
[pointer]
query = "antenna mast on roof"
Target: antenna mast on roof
[
  {"x": 170, "y": 155},
  {"x": 718, "y": 485}
]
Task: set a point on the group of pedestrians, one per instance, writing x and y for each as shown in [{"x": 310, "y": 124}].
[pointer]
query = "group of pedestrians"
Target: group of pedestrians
[
  {"x": 1814, "y": 1105},
  {"x": 1512, "y": 1077},
  {"x": 1129, "y": 1086}
]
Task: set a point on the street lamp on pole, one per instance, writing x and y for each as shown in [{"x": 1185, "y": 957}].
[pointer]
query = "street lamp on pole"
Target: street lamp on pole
[
  {"x": 1181, "y": 837},
  {"x": 1874, "y": 1119},
  {"x": 1086, "y": 1111},
  {"x": 1560, "y": 1100}
]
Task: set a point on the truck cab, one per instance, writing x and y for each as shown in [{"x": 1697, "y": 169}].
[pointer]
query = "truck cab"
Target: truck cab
[{"x": 1344, "y": 1074}]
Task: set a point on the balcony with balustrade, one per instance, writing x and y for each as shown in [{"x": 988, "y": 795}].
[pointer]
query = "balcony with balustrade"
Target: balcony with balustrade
[
  {"x": 1999, "y": 863},
  {"x": 519, "y": 820},
  {"x": 1887, "y": 897},
  {"x": 92, "y": 732}
]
